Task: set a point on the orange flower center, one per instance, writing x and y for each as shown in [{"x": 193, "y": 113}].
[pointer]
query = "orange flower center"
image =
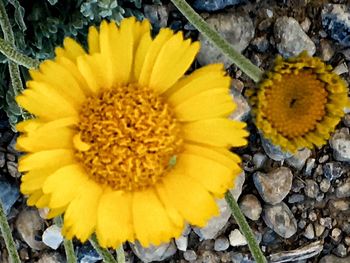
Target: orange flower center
[
  {"x": 127, "y": 137},
  {"x": 295, "y": 103}
]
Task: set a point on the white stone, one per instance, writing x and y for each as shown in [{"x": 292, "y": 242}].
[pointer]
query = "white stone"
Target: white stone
[
  {"x": 237, "y": 239},
  {"x": 181, "y": 243},
  {"x": 52, "y": 237}
]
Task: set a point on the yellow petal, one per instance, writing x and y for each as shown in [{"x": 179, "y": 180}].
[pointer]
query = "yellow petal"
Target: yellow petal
[
  {"x": 216, "y": 132},
  {"x": 73, "y": 69},
  {"x": 64, "y": 184},
  {"x": 35, "y": 179},
  {"x": 81, "y": 215},
  {"x": 208, "y": 104},
  {"x": 95, "y": 71},
  {"x": 146, "y": 58},
  {"x": 93, "y": 40},
  {"x": 43, "y": 201},
  {"x": 151, "y": 222},
  {"x": 214, "y": 176},
  {"x": 29, "y": 125},
  {"x": 60, "y": 78},
  {"x": 190, "y": 198},
  {"x": 114, "y": 219},
  {"x": 117, "y": 47},
  {"x": 47, "y": 104},
  {"x": 43, "y": 140},
  {"x": 72, "y": 50},
  {"x": 203, "y": 79},
  {"x": 140, "y": 55},
  {"x": 47, "y": 159},
  {"x": 34, "y": 197},
  {"x": 55, "y": 212},
  {"x": 173, "y": 60}
]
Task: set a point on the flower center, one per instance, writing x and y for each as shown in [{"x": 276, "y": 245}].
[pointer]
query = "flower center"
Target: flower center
[
  {"x": 295, "y": 104},
  {"x": 127, "y": 137}
]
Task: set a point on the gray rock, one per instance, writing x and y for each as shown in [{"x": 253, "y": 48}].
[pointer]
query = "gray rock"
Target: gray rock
[
  {"x": 29, "y": 224},
  {"x": 237, "y": 29},
  {"x": 336, "y": 21},
  {"x": 217, "y": 223},
  {"x": 310, "y": 164},
  {"x": 274, "y": 186},
  {"x": 309, "y": 232},
  {"x": 8, "y": 194},
  {"x": 261, "y": 44},
  {"x": 259, "y": 160},
  {"x": 237, "y": 190},
  {"x": 237, "y": 239},
  {"x": 296, "y": 198},
  {"x": 250, "y": 206},
  {"x": 181, "y": 243},
  {"x": 327, "y": 50},
  {"x": 157, "y": 15},
  {"x": 274, "y": 151},
  {"x": 50, "y": 258},
  {"x": 334, "y": 259},
  {"x": 333, "y": 170},
  {"x": 319, "y": 229},
  {"x": 243, "y": 109},
  {"x": 302, "y": 253},
  {"x": 153, "y": 253},
  {"x": 311, "y": 188},
  {"x": 298, "y": 160},
  {"x": 291, "y": 39},
  {"x": 339, "y": 205},
  {"x": 336, "y": 234},
  {"x": 12, "y": 168},
  {"x": 343, "y": 190},
  {"x": 221, "y": 244},
  {"x": 190, "y": 255},
  {"x": 87, "y": 254},
  {"x": 214, "y": 5},
  {"x": 325, "y": 185},
  {"x": 340, "y": 143},
  {"x": 52, "y": 237},
  {"x": 280, "y": 219},
  {"x": 340, "y": 251}
]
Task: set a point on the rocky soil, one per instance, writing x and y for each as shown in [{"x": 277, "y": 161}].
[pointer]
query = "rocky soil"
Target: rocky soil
[{"x": 297, "y": 205}]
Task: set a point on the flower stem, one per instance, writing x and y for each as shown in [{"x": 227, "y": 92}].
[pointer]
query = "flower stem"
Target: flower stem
[
  {"x": 6, "y": 234},
  {"x": 104, "y": 253},
  {"x": 120, "y": 254},
  {"x": 11, "y": 53},
  {"x": 68, "y": 244},
  {"x": 244, "y": 227},
  {"x": 237, "y": 58}
]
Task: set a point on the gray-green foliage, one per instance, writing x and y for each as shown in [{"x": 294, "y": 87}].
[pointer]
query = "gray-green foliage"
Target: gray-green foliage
[{"x": 40, "y": 25}]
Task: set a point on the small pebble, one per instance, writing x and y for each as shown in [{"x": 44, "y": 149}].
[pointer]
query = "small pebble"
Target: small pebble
[
  {"x": 181, "y": 243},
  {"x": 250, "y": 206},
  {"x": 52, "y": 237},
  {"x": 190, "y": 255},
  {"x": 336, "y": 234},
  {"x": 309, "y": 232},
  {"x": 326, "y": 222},
  {"x": 237, "y": 239},
  {"x": 221, "y": 244},
  {"x": 312, "y": 216},
  {"x": 311, "y": 188},
  {"x": 319, "y": 229},
  {"x": 343, "y": 190},
  {"x": 324, "y": 185}
]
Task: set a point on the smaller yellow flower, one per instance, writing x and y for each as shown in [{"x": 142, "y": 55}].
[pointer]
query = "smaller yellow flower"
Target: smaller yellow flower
[{"x": 299, "y": 102}]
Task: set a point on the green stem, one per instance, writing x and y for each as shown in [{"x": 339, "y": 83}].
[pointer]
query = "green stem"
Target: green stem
[
  {"x": 104, "y": 253},
  {"x": 237, "y": 58},
  {"x": 244, "y": 227},
  {"x": 120, "y": 254},
  {"x": 11, "y": 53},
  {"x": 6, "y": 234},
  {"x": 68, "y": 244}
]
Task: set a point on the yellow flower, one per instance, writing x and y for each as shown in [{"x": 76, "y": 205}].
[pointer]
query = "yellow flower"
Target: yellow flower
[
  {"x": 299, "y": 103},
  {"x": 123, "y": 143}
]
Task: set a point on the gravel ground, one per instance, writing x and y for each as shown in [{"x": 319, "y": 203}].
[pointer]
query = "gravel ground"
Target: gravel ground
[{"x": 298, "y": 206}]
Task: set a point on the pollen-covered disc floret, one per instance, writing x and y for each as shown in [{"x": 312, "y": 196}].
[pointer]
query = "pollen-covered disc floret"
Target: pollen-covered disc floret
[
  {"x": 127, "y": 137},
  {"x": 299, "y": 103},
  {"x": 124, "y": 144}
]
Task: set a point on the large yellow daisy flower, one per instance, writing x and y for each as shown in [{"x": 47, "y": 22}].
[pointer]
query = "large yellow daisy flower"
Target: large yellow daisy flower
[
  {"x": 299, "y": 102},
  {"x": 123, "y": 143}
]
